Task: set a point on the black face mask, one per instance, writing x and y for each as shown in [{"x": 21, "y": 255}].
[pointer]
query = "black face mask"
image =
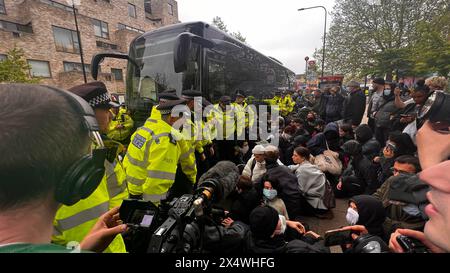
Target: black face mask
[{"x": 310, "y": 119}]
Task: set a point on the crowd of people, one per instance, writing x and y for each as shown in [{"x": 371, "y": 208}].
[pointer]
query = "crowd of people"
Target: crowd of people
[{"x": 73, "y": 158}]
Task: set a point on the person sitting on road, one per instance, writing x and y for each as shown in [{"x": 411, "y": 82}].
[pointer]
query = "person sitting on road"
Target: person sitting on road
[{"x": 266, "y": 235}]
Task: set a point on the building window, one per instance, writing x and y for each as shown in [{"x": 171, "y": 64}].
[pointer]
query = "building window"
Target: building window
[
  {"x": 148, "y": 6},
  {"x": 58, "y": 5},
  {"x": 132, "y": 10},
  {"x": 14, "y": 27},
  {"x": 117, "y": 74},
  {"x": 3, "y": 57},
  {"x": 39, "y": 69},
  {"x": 69, "y": 66},
  {"x": 122, "y": 26},
  {"x": 170, "y": 6},
  {"x": 66, "y": 40},
  {"x": 101, "y": 29},
  {"x": 2, "y": 7}
]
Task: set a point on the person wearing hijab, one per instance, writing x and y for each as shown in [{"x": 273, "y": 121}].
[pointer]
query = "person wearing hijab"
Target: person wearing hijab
[
  {"x": 365, "y": 215},
  {"x": 368, "y": 211}
]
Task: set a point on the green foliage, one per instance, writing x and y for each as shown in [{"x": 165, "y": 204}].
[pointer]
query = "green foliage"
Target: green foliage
[
  {"x": 386, "y": 37},
  {"x": 217, "y": 21},
  {"x": 15, "y": 69}
]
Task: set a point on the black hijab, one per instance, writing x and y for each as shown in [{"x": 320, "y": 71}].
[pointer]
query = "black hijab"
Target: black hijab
[{"x": 371, "y": 213}]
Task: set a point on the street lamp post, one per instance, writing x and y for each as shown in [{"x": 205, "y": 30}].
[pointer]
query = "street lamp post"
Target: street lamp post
[
  {"x": 324, "y": 34},
  {"x": 79, "y": 41},
  {"x": 306, "y": 65}
]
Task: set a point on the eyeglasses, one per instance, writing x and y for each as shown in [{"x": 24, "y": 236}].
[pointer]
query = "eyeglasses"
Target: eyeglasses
[{"x": 395, "y": 170}]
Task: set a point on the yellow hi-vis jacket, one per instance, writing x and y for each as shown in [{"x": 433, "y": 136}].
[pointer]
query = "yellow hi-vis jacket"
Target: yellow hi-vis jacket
[
  {"x": 115, "y": 177},
  {"x": 120, "y": 119},
  {"x": 152, "y": 158},
  {"x": 230, "y": 121},
  {"x": 276, "y": 100},
  {"x": 286, "y": 105},
  {"x": 73, "y": 223},
  {"x": 247, "y": 112}
]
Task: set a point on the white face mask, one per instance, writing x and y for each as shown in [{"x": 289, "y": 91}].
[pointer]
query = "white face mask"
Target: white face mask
[
  {"x": 387, "y": 92},
  {"x": 352, "y": 216}
]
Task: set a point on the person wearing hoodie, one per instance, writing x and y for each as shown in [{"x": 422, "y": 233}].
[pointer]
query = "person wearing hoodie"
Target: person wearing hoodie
[
  {"x": 311, "y": 181},
  {"x": 330, "y": 137},
  {"x": 267, "y": 235},
  {"x": 398, "y": 144},
  {"x": 360, "y": 176},
  {"x": 370, "y": 146},
  {"x": 365, "y": 215}
]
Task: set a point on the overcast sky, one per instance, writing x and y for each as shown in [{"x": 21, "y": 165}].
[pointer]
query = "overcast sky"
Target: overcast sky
[{"x": 273, "y": 27}]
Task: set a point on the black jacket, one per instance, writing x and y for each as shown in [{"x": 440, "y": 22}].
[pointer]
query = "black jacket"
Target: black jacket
[
  {"x": 333, "y": 107},
  {"x": 354, "y": 108},
  {"x": 288, "y": 189},
  {"x": 365, "y": 173},
  {"x": 318, "y": 144},
  {"x": 243, "y": 205}
]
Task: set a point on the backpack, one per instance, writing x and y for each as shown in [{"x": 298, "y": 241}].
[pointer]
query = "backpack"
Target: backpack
[{"x": 328, "y": 198}]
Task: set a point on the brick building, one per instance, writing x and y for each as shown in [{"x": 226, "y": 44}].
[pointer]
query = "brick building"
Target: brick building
[{"x": 45, "y": 30}]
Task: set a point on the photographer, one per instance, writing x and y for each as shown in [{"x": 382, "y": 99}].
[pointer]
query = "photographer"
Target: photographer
[
  {"x": 434, "y": 151},
  {"x": 46, "y": 141}
]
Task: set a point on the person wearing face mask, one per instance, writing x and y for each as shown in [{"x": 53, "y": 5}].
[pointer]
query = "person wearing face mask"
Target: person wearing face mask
[
  {"x": 383, "y": 114},
  {"x": 267, "y": 234},
  {"x": 288, "y": 186},
  {"x": 365, "y": 215},
  {"x": 270, "y": 196}
]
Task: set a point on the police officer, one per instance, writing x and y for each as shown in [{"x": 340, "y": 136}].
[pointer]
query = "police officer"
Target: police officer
[
  {"x": 152, "y": 158},
  {"x": 228, "y": 125},
  {"x": 121, "y": 125},
  {"x": 163, "y": 97},
  {"x": 72, "y": 223},
  {"x": 198, "y": 139}
]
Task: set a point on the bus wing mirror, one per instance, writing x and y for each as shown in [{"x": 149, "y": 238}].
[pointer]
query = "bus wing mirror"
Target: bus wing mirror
[
  {"x": 98, "y": 58},
  {"x": 183, "y": 44}
]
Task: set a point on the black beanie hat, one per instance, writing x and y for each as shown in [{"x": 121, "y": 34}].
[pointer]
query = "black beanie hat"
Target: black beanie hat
[{"x": 263, "y": 221}]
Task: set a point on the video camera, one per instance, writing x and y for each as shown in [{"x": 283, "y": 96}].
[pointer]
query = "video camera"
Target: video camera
[
  {"x": 173, "y": 227},
  {"x": 411, "y": 245},
  {"x": 437, "y": 110}
]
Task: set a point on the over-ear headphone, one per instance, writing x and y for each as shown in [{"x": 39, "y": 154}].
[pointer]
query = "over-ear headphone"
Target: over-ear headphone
[{"x": 84, "y": 175}]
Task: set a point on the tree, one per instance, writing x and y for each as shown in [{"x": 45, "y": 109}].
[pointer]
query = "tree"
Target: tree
[
  {"x": 378, "y": 37},
  {"x": 217, "y": 21},
  {"x": 238, "y": 35},
  {"x": 15, "y": 69},
  {"x": 431, "y": 51}
]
